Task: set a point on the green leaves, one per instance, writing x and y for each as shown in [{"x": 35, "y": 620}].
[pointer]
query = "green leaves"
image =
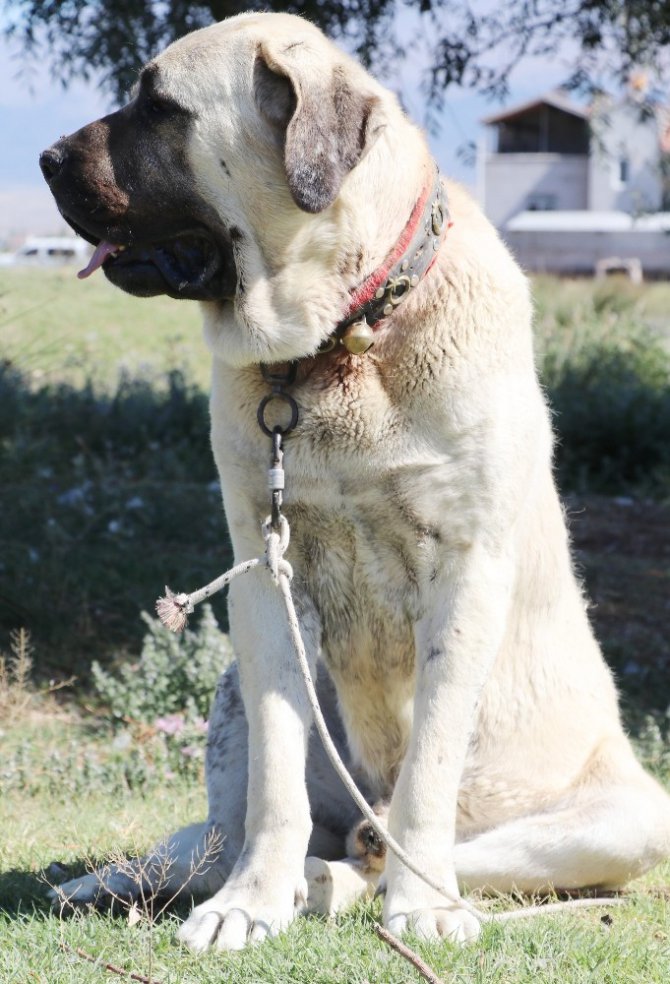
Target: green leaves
[
  {"x": 454, "y": 42},
  {"x": 174, "y": 680}
]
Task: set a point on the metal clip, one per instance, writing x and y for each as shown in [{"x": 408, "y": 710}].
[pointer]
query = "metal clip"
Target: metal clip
[{"x": 276, "y": 478}]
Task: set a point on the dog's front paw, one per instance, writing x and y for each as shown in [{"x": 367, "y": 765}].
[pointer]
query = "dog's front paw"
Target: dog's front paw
[
  {"x": 412, "y": 906},
  {"x": 449, "y": 922},
  {"x": 238, "y": 915}
]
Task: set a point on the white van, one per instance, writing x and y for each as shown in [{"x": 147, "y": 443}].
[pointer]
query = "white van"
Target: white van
[{"x": 48, "y": 251}]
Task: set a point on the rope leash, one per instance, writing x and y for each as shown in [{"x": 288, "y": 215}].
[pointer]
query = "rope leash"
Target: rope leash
[{"x": 173, "y": 611}]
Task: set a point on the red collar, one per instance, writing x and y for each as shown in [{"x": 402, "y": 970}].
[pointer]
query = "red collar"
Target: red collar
[{"x": 404, "y": 267}]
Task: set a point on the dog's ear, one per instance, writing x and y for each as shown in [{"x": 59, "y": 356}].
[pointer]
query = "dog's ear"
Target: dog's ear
[{"x": 324, "y": 124}]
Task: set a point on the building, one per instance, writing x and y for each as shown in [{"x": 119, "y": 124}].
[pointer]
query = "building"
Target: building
[{"x": 569, "y": 186}]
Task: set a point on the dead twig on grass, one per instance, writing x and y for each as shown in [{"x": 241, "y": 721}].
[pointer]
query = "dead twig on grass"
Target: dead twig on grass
[
  {"x": 112, "y": 968},
  {"x": 426, "y": 972}
]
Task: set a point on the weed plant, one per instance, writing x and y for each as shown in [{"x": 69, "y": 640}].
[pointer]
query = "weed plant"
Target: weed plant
[
  {"x": 16, "y": 691},
  {"x": 174, "y": 678}
]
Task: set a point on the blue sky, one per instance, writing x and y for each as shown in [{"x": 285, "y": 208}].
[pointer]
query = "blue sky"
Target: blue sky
[
  {"x": 35, "y": 111},
  {"x": 32, "y": 116}
]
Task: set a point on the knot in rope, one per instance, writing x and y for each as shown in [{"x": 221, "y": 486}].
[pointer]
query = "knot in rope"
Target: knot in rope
[{"x": 276, "y": 545}]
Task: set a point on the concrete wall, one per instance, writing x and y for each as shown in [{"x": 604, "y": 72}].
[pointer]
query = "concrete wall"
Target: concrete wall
[
  {"x": 511, "y": 181},
  {"x": 577, "y": 252},
  {"x": 619, "y": 133}
]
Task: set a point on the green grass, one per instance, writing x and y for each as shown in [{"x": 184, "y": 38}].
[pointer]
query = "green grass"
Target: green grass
[
  {"x": 76, "y": 829},
  {"x": 56, "y": 329},
  {"x": 554, "y": 950}
]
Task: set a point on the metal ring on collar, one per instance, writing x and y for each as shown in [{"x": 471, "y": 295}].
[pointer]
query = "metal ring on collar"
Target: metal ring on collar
[
  {"x": 289, "y": 401},
  {"x": 398, "y": 288}
]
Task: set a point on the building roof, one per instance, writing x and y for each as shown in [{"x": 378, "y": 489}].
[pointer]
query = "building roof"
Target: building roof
[
  {"x": 586, "y": 220},
  {"x": 556, "y": 98}
]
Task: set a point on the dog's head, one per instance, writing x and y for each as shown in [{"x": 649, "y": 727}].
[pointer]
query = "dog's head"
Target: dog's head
[{"x": 224, "y": 180}]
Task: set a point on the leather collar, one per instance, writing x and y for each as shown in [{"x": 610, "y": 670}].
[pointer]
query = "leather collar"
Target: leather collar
[{"x": 402, "y": 270}]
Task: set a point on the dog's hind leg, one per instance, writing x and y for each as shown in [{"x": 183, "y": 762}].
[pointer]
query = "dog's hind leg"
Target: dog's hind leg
[
  {"x": 602, "y": 843},
  {"x": 187, "y": 861},
  {"x": 602, "y": 838},
  {"x": 197, "y": 859}
]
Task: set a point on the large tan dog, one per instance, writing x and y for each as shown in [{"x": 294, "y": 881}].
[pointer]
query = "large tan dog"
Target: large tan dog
[{"x": 259, "y": 170}]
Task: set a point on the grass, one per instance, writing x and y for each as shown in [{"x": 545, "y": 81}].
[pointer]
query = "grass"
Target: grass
[
  {"x": 56, "y": 329},
  {"x": 107, "y": 490},
  {"x": 75, "y": 830}
]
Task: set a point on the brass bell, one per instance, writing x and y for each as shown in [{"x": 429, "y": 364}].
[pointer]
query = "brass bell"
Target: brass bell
[{"x": 358, "y": 337}]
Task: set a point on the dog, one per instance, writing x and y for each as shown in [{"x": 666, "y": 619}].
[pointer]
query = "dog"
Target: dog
[{"x": 262, "y": 172}]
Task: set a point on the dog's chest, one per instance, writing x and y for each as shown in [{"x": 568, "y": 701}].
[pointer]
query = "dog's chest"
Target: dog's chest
[
  {"x": 364, "y": 579},
  {"x": 372, "y": 530},
  {"x": 376, "y": 504}
]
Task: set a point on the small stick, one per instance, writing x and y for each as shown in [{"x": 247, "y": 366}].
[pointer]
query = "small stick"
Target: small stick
[
  {"x": 426, "y": 972},
  {"x": 108, "y": 966}
]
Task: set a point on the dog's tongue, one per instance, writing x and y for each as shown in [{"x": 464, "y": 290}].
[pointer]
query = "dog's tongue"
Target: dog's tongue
[{"x": 102, "y": 251}]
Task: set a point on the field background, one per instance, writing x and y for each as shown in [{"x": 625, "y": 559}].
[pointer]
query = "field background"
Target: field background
[{"x": 108, "y": 491}]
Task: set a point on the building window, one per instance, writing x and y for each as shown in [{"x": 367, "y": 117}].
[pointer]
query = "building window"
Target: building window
[
  {"x": 541, "y": 203},
  {"x": 620, "y": 173}
]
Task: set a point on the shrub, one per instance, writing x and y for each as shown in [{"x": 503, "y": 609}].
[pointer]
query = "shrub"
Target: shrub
[
  {"x": 105, "y": 495},
  {"x": 607, "y": 376},
  {"x": 175, "y": 677}
]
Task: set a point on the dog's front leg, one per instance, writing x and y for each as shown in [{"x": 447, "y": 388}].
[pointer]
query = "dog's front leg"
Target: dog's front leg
[
  {"x": 456, "y": 643},
  {"x": 266, "y": 886}
]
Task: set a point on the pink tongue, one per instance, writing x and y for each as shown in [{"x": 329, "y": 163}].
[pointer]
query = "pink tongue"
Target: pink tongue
[{"x": 102, "y": 251}]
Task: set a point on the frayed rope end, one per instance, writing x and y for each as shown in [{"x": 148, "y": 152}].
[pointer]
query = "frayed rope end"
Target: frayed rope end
[{"x": 173, "y": 610}]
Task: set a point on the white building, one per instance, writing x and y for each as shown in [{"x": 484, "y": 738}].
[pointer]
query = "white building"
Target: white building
[{"x": 568, "y": 186}]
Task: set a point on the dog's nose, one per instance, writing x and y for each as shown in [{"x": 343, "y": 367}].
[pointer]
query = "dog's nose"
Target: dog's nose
[{"x": 51, "y": 162}]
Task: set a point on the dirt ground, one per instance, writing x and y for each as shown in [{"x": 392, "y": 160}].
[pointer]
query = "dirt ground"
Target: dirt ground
[{"x": 622, "y": 550}]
